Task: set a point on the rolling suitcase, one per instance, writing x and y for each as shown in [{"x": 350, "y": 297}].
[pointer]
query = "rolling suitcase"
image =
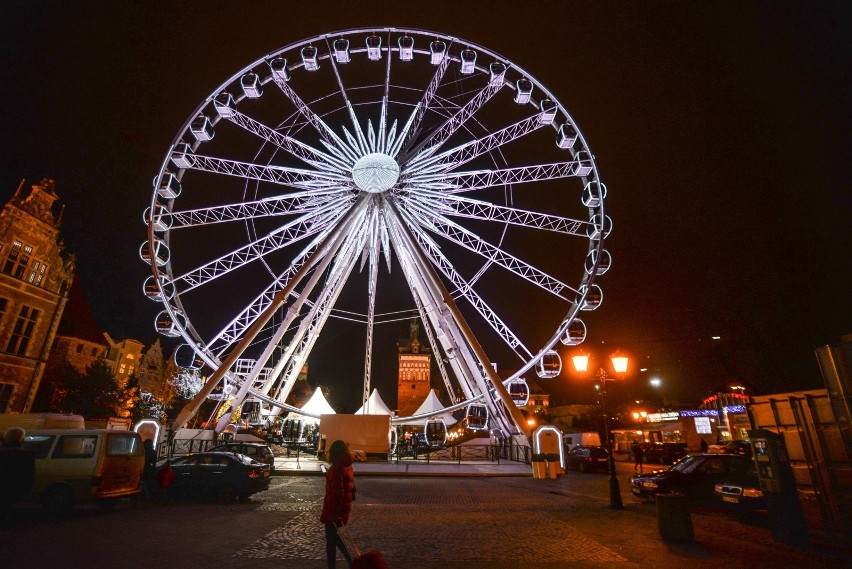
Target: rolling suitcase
[{"x": 368, "y": 560}]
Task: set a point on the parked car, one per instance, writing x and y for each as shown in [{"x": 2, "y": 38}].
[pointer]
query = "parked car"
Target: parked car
[
  {"x": 222, "y": 475},
  {"x": 695, "y": 476},
  {"x": 664, "y": 453},
  {"x": 587, "y": 458},
  {"x": 741, "y": 496},
  {"x": 732, "y": 447},
  {"x": 260, "y": 452}
]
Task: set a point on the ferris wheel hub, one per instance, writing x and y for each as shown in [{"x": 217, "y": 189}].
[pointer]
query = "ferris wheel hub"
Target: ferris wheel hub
[{"x": 375, "y": 173}]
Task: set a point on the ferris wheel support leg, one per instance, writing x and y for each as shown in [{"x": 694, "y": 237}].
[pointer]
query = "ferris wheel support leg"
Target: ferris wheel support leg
[
  {"x": 459, "y": 320},
  {"x": 322, "y": 256}
]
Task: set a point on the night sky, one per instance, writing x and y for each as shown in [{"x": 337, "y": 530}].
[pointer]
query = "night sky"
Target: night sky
[{"x": 720, "y": 128}]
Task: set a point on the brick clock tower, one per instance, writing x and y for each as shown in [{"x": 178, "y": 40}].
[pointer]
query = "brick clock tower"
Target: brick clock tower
[{"x": 415, "y": 363}]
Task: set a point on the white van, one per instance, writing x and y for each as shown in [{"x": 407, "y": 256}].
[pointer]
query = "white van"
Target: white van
[
  {"x": 32, "y": 421},
  {"x": 76, "y": 466}
]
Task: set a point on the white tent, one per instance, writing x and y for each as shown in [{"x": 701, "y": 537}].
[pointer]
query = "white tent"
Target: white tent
[
  {"x": 375, "y": 406},
  {"x": 316, "y": 405},
  {"x": 432, "y": 403}
]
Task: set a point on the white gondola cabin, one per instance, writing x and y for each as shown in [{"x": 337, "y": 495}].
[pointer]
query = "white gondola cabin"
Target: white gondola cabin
[
  {"x": 584, "y": 164},
  {"x": 593, "y": 193},
  {"x": 278, "y": 66},
  {"x": 523, "y": 91},
  {"x": 519, "y": 391},
  {"x": 550, "y": 365},
  {"x": 593, "y": 298},
  {"x": 251, "y": 85},
  {"x": 435, "y": 431},
  {"x": 476, "y": 417},
  {"x": 341, "y": 50},
  {"x": 406, "y": 48},
  {"x": 202, "y": 129},
  {"x": 160, "y": 220},
  {"x": 548, "y": 109},
  {"x": 599, "y": 226},
  {"x": 186, "y": 357},
  {"x": 181, "y": 156},
  {"x": 158, "y": 253},
  {"x": 496, "y": 73},
  {"x": 374, "y": 47},
  {"x": 575, "y": 334},
  {"x": 158, "y": 293},
  {"x": 169, "y": 187},
  {"x": 225, "y": 104},
  {"x": 468, "y": 61},
  {"x": 603, "y": 261},
  {"x": 437, "y": 51},
  {"x": 309, "y": 58},
  {"x": 168, "y": 326},
  {"x": 567, "y": 136}
]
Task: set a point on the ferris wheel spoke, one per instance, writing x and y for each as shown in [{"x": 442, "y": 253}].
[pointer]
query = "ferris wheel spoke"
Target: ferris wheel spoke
[
  {"x": 246, "y": 317},
  {"x": 456, "y": 182},
  {"x": 455, "y": 157},
  {"x": 286, "y": 204},
  {"x": 476, "y": 209},
  {"x": 284, "y": 236},
  {"x": 316, "y": 158},
  {"x": 325, "y": 132},
  {"x": 412, "y": 129},
  {"x": 466, "y": 289},
  {"x": 472, "y": 242},
  {"x": 436, "y": 138},
  {"x": 294, "y": 177}
]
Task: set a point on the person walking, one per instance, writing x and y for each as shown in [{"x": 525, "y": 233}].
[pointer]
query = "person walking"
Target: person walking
[
  {"x": 339, "y": 493},
  {"x": 17, "y": 470},
  {"x": 638, "y": 456}
]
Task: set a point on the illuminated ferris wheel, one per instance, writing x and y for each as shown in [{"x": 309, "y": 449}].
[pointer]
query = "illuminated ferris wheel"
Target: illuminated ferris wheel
[{"x": 369, "y": 176}]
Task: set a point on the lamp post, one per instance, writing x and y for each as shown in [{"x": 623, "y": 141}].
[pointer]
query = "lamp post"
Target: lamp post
[{"x": 619, "y": 364}]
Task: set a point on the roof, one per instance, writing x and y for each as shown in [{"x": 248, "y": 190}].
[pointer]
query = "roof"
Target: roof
[
  {"x": 78, "y": 320},
  {"x": 375, "y": 405}
]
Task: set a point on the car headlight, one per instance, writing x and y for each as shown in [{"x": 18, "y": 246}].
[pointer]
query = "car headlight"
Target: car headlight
[
  {"x": 752, "y": 493},
  {"x": 649, "y": 484}
]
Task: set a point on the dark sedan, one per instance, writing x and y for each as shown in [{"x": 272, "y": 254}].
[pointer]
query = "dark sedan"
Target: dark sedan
[
  {"x": 256, "y": 451},
  {"x": 587, "y": 459},
  {"x": 221, "y": 475},
  {"x": 695, "y": 476}
]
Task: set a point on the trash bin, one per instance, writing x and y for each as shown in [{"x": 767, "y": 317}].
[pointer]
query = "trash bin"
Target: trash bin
[
  {"x": 673, "y": 519},
  {"x": 553, "y": 469},
  {"x": 539, "y": 469}
]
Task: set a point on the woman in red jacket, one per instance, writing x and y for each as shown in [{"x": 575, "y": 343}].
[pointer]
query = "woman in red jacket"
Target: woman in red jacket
[{"x": 339, "y": 491}]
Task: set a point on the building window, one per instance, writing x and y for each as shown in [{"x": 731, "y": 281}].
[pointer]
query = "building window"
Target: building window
[
  {"x": 121, "y": 368},
  {"x": 94, "y": 352},
  {"x": 79, "y": 348},
  {"x": 37, "y": 274},
  {"x": 4, "y": 302},
  {"x": 23, "y": 331},
  {"x": 6, "y": 390},
  {"x": 17, "y": 260}
]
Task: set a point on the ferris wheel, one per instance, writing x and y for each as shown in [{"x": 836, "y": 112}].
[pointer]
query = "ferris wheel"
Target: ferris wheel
[{"x": 370, "y": 176}]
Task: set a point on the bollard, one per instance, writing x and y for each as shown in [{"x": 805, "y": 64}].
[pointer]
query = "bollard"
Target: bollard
[{"x": 673, "y": 519}]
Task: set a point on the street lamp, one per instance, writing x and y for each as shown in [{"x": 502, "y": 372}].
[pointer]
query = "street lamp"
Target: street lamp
[{"x": 619, "y": 364}]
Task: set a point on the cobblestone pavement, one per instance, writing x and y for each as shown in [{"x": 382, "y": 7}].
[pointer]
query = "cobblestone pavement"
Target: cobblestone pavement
[{"x": 416, "y": 522}]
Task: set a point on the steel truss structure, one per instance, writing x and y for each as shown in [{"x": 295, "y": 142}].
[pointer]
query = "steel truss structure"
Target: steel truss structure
[{"x": 283, "y": 191}]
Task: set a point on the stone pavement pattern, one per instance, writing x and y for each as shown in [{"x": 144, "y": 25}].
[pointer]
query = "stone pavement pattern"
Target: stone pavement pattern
[{"x": 416, "y": 522}]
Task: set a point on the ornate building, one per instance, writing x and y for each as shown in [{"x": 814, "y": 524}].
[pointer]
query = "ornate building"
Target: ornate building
[
  {"x": 35, "y": 277},
  {"x": 415, "y": 375},
  {"x": 124, "y": 357}
]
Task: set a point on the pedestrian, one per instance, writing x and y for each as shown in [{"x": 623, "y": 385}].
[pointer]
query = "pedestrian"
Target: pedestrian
[
  {"x": 149, "y": 482},
  {"x": 17, "y": 470},
  {"x": 703, "y": 445},
  {"x": 339, "y": 492},
  {"x": 638, "y": 456}
]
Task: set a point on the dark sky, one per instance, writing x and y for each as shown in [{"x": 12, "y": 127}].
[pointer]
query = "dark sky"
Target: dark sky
[{"x": 720, "y": 128}]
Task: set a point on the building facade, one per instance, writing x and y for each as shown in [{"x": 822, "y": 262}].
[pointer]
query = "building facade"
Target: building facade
[
  {"x": 415, "y": 372},
  {"x": 35, "y": 278},
  {"x": 124, "y": 358}
]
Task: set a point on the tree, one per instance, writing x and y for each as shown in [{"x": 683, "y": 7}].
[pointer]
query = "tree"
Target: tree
[{"x": 95, "y": 394}]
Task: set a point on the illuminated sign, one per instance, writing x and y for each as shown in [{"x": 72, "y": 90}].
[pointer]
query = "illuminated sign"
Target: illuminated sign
[
  {"x": 735, "y": 409},
  {"x": 700, "y": 413},
  {"x": 660, "y": 417},
  {"x": 702, "y": 426}
]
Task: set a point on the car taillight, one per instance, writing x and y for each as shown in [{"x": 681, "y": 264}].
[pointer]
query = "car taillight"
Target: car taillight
[
  {"x": 752, "y": 493},
  {"x": 254, "y": 473}
]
